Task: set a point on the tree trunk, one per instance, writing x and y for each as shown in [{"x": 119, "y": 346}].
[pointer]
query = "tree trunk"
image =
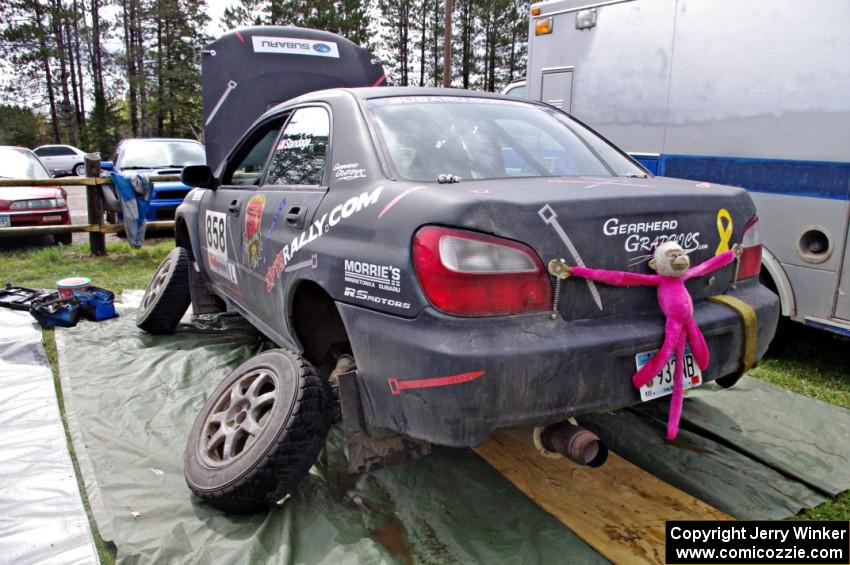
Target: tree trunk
[
  {"x": 81, "y": 121},
  {"x": 423, "y": 29},
  {"x": 48, "y": 75},
  {"x": 160, "y": 79},
  {"x": 466, "y": 42},
  {"x": 56, "y": 20},
  {"x": 76, "y": 78},
  {"x": 132, "y": 79}
]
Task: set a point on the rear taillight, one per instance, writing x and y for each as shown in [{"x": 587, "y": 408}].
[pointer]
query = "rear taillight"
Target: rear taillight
[
  {"x": 751, "y": 256},
  {"x": 471, "y": 274}
]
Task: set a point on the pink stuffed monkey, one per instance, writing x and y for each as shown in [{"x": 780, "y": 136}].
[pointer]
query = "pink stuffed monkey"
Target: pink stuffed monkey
[{"x": 673, "y": 267}]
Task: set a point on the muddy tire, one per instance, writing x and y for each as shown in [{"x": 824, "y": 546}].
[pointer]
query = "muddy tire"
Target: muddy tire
[
  {"x": 258, "y": 433},
  {"x": 167, "y": 296}
]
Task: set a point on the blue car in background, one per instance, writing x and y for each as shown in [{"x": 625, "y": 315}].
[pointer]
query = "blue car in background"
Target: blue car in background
[{"x": 154, "y": 156}]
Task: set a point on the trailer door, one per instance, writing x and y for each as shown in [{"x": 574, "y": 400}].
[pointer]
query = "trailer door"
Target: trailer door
[{"x": 556, "y": 87}]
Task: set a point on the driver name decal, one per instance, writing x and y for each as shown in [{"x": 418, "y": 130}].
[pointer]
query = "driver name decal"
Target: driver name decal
[
  {"x": 317, "y": 230},
  {"x": 349, "y": 171}
]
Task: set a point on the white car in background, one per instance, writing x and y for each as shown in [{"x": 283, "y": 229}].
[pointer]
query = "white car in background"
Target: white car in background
[{"x": 62, "y": 157}]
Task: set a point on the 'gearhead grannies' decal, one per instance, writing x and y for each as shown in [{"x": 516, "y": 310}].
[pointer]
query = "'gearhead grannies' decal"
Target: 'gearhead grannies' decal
[
  {"x": 295, "y": 46},
  {"x": 318, "y": 229}
]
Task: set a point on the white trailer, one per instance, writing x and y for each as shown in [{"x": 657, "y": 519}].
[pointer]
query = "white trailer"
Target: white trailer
[{"x": 751, "y": 93}]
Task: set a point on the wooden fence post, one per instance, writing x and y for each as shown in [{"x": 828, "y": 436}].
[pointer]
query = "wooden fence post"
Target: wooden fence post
[{"x": 94, "y": 201}]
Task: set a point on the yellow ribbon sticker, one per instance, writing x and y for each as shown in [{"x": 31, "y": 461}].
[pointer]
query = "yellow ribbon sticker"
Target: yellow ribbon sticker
[{"x": 724, "y": 228}]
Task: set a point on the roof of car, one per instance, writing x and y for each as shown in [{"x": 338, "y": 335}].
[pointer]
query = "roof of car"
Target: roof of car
[
  {"x": 366, "y": 93},
  {"x": 16, "y": 148},
  {"x": 160, "y": 139}
]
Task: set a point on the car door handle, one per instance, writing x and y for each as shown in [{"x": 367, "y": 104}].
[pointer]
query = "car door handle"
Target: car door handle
[
  {"x": 235, "y": 204},
  {"x": 295, "y": 216}
]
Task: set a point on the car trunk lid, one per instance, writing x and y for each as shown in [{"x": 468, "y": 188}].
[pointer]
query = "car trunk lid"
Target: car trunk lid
[{"x": 615, "y": 224}]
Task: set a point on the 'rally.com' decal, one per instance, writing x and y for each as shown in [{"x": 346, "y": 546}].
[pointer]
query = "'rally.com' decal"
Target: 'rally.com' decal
[{"x": 317, "y": 230}]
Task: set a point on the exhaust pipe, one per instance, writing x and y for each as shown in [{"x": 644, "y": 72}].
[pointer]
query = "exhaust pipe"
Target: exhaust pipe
[{"x": 577, "y": 444}]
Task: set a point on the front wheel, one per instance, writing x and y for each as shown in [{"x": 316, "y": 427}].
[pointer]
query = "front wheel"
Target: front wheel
[
  {"x": 167, "y": 296},
  {"x": 259, "y": 433},
  {"x": 80, "y": 169}
]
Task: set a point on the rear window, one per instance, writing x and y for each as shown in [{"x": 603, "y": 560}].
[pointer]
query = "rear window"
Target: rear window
[
  {"x": 482, "y": 138},
  {"x": 55, "y": 151}
]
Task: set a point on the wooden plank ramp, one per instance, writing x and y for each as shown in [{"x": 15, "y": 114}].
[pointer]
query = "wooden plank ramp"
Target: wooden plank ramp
[{"x": 618, "y": 509}]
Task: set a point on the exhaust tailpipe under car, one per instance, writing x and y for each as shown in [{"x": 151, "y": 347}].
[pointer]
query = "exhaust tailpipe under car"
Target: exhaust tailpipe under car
[{"x": 569, "y": 440}]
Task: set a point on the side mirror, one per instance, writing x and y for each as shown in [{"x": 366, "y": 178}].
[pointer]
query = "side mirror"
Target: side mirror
[
  {"x": 60, "y": 173},
  {"x": 198, "y": 176},
  {"x": 106, "y": 166}
]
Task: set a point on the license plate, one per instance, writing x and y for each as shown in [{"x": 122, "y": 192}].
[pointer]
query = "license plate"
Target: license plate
[
  {"x": 662, "y": 383},
  {"x": 5, "y": 221}
]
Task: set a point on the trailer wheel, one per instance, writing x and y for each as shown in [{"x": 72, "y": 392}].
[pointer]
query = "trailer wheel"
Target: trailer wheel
[
  {"x": 167, "y": 296},
  {"x": 259, "y": 433}
]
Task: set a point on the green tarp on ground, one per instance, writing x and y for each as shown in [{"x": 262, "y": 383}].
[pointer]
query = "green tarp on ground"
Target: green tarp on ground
[
  {"x": 131, "y": 400},
  {"x": 755, "y": 451}
]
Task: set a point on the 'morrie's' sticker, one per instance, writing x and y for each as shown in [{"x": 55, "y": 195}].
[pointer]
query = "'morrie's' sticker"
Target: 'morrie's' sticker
[{"x": 295, "y": 46}]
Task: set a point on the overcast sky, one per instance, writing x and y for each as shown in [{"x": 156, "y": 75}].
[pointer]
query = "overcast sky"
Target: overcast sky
[{"x": 215, "y": 11}]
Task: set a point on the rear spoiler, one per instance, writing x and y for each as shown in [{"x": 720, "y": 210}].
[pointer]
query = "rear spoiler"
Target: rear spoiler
[{"x": 249, "y": 70}]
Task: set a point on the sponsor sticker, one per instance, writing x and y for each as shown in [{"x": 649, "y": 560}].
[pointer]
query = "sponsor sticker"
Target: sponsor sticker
[
  {"x": 292, "y": 143},
  {"x": 371, "y": 275},
  {"x": 295, "y": 46},
  {"x": 251, "y": 235},
  {"x": 319, "y": 228},
  {"x": 644, "y": 237},
  {"x": 365, "y": 296}
]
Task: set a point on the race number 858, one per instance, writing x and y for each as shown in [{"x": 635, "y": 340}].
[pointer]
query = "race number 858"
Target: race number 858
[{"x": 216, "y": 231}]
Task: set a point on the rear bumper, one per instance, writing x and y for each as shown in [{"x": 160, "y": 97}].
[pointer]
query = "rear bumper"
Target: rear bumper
[{"x": 452, "y": 381}]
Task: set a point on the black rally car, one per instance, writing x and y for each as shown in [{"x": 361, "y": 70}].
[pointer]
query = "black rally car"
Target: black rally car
[{"x": 398, "y": 238}]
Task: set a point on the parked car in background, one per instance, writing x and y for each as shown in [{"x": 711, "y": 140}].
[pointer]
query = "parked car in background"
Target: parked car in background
[
  {"x": 31, "y": 205},
  {"x": 155, "y": 156},
  {"x": 62, "y": 157}
]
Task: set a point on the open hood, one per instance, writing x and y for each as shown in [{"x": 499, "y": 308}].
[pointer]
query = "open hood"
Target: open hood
[{"x": 249, "y": 70}]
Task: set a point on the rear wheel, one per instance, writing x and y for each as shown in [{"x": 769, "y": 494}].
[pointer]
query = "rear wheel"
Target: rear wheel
[
  {"x": 259, "y": 433},
  {"x": 167, "y": 296}
]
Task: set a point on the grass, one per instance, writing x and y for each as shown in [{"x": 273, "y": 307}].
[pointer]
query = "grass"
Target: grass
[
  {"x": 122, "y": 267},
  {"x": 811, "y": 363},
  {"x": 805, "y": 361}
]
